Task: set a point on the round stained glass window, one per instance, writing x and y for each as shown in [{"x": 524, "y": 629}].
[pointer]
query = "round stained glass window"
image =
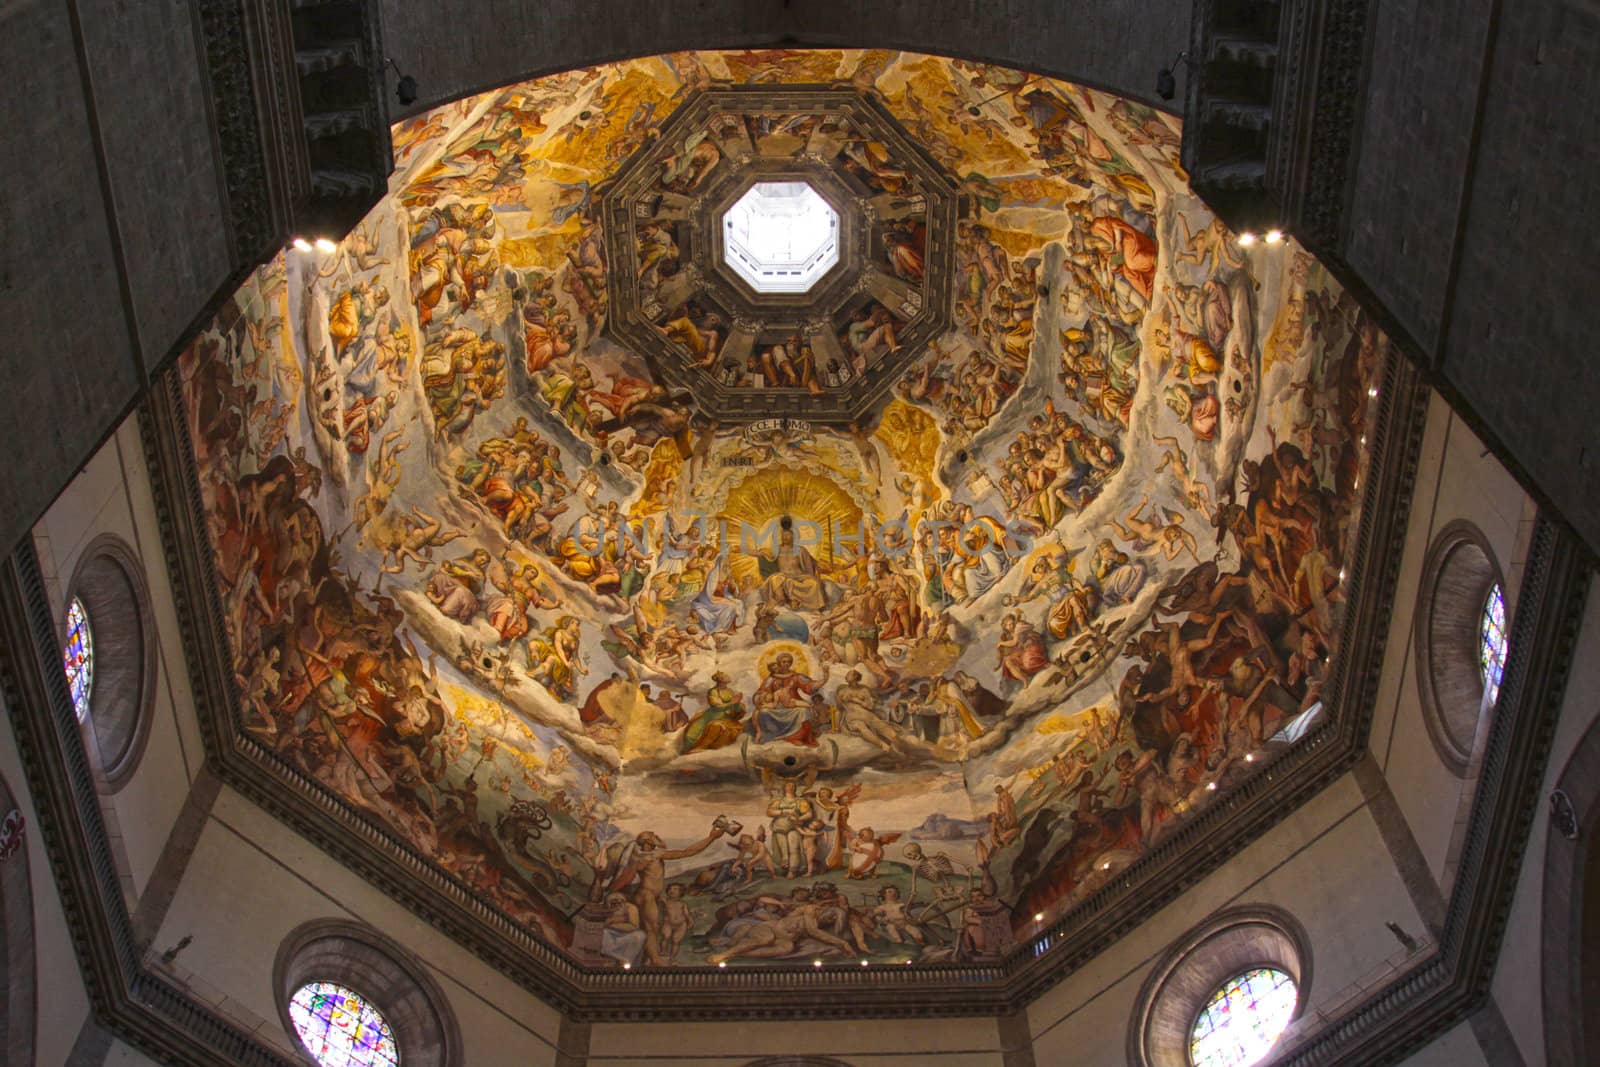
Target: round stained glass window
[
  {"x": 78, "y": 657},
  {"x": 340, "y": 1028},
  {"x": 1492, "y": 643},
  {"x": 1242, "y": 1020}
]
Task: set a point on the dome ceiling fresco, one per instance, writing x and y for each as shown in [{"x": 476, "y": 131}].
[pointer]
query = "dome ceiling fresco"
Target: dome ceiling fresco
[{"x": 686, "y": 624}]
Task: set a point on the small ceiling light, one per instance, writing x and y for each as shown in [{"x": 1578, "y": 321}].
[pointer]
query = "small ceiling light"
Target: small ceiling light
[
  {"x": 1247, "y": 238},
  {"x": 1166, "y": 79},
  {"x": 1372, "y": 392},
  {"x": 1274, "y": 236},
  {"x": 1363, "y": 440},
  {"x": 1038, "y": 916},
  {"x": 1211, "y": 787},
  {"x": 1106, "y": 866},
  {"x": 627, "y": 966},
  {"x": 1249, "y": 757},
  {"x": 863, "y": 963},
  {"x": 301, "y": 244},
  {"x": 816, "y": 963},
  {"x": 405, "y": 86},
  {"x": 326, "y": 246},
  {"x": 723, "y": 963},
  {"x": 1341, "y": 576}
]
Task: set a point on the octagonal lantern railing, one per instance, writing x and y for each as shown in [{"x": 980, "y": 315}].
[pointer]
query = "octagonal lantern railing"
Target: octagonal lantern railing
[{"x": 781, "y": 237}]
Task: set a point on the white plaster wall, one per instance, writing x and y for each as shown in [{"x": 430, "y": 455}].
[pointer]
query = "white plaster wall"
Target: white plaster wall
[
  {"x": 113, "y": 495},
  {"x": 121, "y": 1055},
  {"x": 1455, "y": 480},
  {"x": 1457, "y": 1048},
  {"x": 1518, "y": 985},
  {"x": 61, "y": 1004},
  {"x": 249, "y": 866},
  {"x": 954, "y": 1042},
  {"x": 1326, "y": 864}
]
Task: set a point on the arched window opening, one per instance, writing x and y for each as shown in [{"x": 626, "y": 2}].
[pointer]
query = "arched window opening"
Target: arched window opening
[
  {"x": 1461, "y": 640},
  {"x": 109, "y": 654},
  {"x": 1492, "y": 641},
  {"x": 341, "y": 1028},
  {"x": 354, "y": 998},
  {"x": 77, "y": 657},
  {"x": 1243, "y": 1019},
  {"x": 1224, "y": 993}
]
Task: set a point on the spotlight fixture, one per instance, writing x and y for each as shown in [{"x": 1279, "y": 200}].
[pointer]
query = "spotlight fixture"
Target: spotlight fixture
[
  {"x": 326, "y": 246},
  {"x": 1038, "y": 916},
  {"x": 1167, "y": 81},
  {"x": 1246, "y": 238},
  {"x": 863, "y": 963},
  {"x": 816, "y": 963},
  {"x": 1372, "y": 392},
  {"x": 1211, "y": 787},
  {"x": 723, "y": 964},
  {"x": 1274, "y": 236},
  {"x": 977, "y": 109},
  {"x": 301, "y": 244},
  {"x": 405, "y": 89},
  {"x": 1249, "y": 757},
  {"x": 627, "y": 966}
]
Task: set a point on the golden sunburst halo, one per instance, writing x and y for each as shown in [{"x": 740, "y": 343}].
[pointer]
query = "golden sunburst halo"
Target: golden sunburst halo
[
  {"x": 802, "y": 660},
  {"x": 804, "y": 496}
]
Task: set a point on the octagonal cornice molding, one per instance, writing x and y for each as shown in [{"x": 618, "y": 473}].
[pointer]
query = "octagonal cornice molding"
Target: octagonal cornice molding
[{"x": 829, "y": 354}]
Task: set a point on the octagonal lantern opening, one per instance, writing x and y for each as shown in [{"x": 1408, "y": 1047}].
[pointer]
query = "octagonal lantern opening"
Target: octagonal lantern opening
[{"x": 781, "y": 237}]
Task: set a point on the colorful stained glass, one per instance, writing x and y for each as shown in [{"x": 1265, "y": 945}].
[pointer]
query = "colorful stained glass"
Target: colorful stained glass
[
  {"x": 340, "y": 1028},
  {"x": 78, "y": 657},
  {"x": 1242, "y": 1020},
  {"x": 1492, "y": 643}
]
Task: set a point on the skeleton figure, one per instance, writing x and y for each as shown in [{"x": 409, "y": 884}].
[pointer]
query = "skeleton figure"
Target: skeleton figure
[{"x": 937, "y": 868}]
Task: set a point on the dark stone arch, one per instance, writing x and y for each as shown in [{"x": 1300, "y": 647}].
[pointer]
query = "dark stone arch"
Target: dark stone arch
[
  {"x": 1226, "y": 944},
  {"x": 484, "y": 45},
  {"x": 1571, "y": 934},
  {"x": 18, "y": 973},
  {"x": 1457, "y": 574},
  {"x": 110, "y": 581},
  {"x": 398, "y": 984}
]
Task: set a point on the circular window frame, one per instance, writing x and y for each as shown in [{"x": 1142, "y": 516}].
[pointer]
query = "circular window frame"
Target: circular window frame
[
  {"x": 1458, "y": 573},
  {"x": 383, "y": 973},
  {"x": 109, "y": 580},
  {"x": 87, "y": 672},
  {"x": 1222, "y": 986},
  {"x": 368, "y": 1005},
  {"x": 1197, "y": 965}
]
